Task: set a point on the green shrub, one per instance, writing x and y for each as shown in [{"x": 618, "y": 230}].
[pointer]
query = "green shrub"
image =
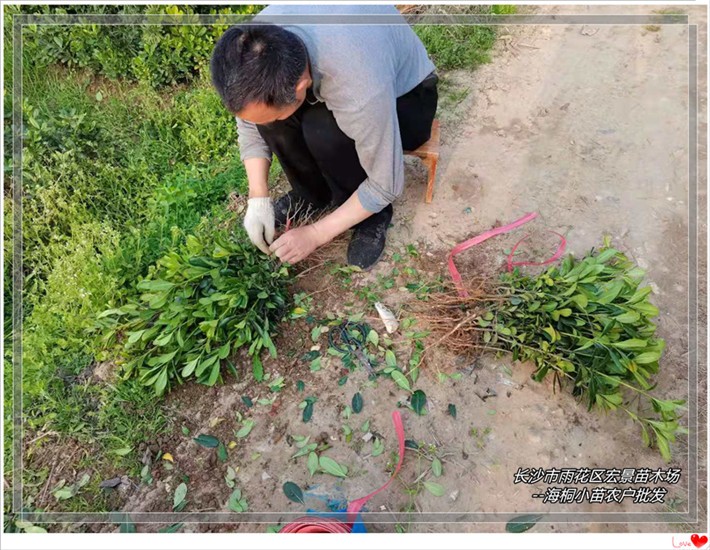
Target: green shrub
[
  {"x": 158, "y": 55},
  {"x": 95, "y": 161},
  {"x": 201, "y": 303}
]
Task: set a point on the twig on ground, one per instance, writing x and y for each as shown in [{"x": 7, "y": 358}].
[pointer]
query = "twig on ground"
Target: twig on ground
[
  {"x": 311, "y": 268},
  {"x": 42, "y": 436}
]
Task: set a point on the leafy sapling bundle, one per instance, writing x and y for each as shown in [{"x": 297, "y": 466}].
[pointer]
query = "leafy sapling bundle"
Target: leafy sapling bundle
[
  {"x": 588, "y": 322},
  {"x": 201, "y": 303}
]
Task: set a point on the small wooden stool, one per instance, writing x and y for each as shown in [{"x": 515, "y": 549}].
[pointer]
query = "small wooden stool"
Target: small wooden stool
[{"x": 429, "y": 153}]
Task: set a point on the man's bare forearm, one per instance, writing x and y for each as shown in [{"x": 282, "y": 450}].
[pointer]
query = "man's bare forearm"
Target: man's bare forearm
[
  {"x": 258, "y": 176},
  {"x": 350, "y": 213}
]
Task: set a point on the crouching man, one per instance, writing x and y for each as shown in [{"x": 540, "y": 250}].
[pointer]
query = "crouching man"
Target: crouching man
[{"x": 337, "y": 104}]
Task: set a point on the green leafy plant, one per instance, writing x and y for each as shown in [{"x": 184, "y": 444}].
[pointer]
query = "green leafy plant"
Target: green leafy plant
[
  {"x": 202, "y": 302},
  {"x": 588, "y": 322},
  {"x": 378, "y": 446},
  {"x": 427, "y": 461},
  {"x": 113, "y": 192},
  {"x": 309, "y": 449}
]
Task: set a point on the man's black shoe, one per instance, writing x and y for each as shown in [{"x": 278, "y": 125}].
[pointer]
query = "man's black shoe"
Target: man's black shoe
[{"x": 368, "y": 240}]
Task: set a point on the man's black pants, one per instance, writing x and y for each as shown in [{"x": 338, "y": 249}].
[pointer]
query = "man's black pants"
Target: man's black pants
[{"x": 321, "y": 162}]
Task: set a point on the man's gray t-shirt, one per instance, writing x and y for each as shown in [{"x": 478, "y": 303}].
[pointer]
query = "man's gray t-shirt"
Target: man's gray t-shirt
[{"x": 359, "y": 71}]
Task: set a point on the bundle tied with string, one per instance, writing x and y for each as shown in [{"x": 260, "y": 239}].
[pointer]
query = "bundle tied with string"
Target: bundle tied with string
[{"x": 586, "y": 324}]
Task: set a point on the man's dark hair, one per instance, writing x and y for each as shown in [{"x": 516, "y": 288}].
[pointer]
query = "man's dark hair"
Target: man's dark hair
[{"x": 257, "y": 63}]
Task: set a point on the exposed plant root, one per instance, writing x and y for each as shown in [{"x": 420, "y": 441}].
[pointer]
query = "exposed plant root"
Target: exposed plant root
[{"x": 452, "y": 319}]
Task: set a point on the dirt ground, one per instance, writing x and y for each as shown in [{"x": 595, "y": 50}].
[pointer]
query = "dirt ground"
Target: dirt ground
[{"x": 585, "y": 125}]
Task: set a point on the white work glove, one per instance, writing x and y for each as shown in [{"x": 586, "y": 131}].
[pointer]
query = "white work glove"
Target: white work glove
[{"x": 259, "y": 222}]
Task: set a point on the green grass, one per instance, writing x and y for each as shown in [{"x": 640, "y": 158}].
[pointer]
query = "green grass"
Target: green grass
[
  {"x": 461, "y": 46},
  {"x": 116, "y": 173},
  {"x": 457, "y": 47}
]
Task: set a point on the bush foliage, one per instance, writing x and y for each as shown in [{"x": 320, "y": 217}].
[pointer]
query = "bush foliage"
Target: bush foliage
[
  {"x": 115, "y": 174},
  {"x": 158, "y": 55}
]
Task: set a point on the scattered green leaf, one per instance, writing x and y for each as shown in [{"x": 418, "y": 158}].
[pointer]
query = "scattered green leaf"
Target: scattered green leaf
[
  {"x": 206, "y": 440},
  {"x": 521, "y": 524},
  {"x": 330, "y": 466},
  {"x": 434, "y": 488},
  {"x": 246, "y": 428},
  {"x": 293, "y": 492},
  {"x": 418, "y": 401},
  {"x": 357, "y": 403},
  {"x": 222, "y": 452},
  {"x": 179, "y": 496},
  {"x": 436, "y": 467}
]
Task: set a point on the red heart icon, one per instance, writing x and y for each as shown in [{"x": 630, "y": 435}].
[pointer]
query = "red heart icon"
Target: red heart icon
[{"x": 699, "y": 541}]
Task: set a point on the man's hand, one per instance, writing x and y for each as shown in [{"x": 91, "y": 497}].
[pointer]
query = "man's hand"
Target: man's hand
[
  {"x": 259, "y": 222},
  {"x": 294, "y": 245}
]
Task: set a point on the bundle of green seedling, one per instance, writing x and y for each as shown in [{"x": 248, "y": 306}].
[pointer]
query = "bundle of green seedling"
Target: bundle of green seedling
[
  {"x": 586, "y": 323},
  {"x": 200, "y": 304}
]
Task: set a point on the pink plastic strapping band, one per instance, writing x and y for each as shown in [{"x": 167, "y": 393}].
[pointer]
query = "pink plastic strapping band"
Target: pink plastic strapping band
[{"x": 478, "y": 239}]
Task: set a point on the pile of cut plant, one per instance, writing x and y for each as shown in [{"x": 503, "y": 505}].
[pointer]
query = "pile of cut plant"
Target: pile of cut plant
[
  {"x": 200, "y": 304},
  {"x": 586, "y": 323}
]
